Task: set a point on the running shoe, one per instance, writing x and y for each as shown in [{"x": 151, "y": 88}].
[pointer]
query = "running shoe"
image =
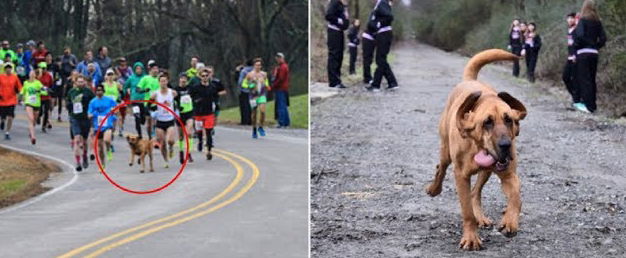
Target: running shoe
[
  {"x": 33, "y": 141},
  {"x": 59, "y": 119},
  {"x": 372, "y": 89},
  {"x": 261, "y": 131},
  {"x": 112, "y": 148},
  {"x": 181, "y": 156},
  {"x": 78, "y": 168},
  {"x": 254, "y": 135},
  {"x": 167, "y": 165},
  {"x": 92, "y": 157},
  {"x": 209, "y": 156},
  {"x": 7, "y": 136},
  {"x": 393, "y": 87},
  {"x": 110, "y": 155},
  {"x": 582, "y": 108},
  {"x": 49, "y": 125},
  {"x": 190, "y": 158}
]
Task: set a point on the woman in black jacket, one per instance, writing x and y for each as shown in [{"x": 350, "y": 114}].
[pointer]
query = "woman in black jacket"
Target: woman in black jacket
[
  {"x": 353, "y": 42},
  {"x": 589, "y": 38},
  {"x": 532, "y": 45},
  {"x": 383, "y": 39},
  {"x": 515, "y": 43}
]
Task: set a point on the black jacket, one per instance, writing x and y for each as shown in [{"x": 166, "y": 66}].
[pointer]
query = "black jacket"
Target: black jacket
[
  {"x": 536, "y": 46},
  {"x": 571, "y": 50},
  {"x": 353, "y": 35},
  {"x": 336, "y": 13},
  {"x": 383, "y": 14},
  {"x": 513, "y": 41},
  {"x": 589, "y": 34}
]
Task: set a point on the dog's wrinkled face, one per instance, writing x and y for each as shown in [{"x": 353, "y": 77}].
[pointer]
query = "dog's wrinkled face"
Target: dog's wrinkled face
[
  {"x": 132, "y": 140},
  {"x": 493, "y": 123}
]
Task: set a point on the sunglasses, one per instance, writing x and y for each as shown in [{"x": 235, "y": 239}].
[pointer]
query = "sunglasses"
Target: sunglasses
[
  {"x": 108, "y": 74},
  {"x": 204, "y": 75}
]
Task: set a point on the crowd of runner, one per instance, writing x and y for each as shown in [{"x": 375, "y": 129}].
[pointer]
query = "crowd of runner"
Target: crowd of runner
[{"x": 98, "y": 93}]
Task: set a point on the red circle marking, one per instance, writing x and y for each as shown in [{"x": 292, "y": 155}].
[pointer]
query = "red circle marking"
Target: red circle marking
[{"x": 102, "y": 170}]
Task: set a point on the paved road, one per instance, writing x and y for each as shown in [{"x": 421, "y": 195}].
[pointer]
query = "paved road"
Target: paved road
[
  {"x": 250, "y": 200},
  {"x": 372, "y": 154}
]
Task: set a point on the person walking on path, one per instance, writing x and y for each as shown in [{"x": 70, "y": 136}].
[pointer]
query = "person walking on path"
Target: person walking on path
[
  {"x": 369, "y": 45},
  {"x": 384, "y": 37},
  {"x": 10, "y": 86},
  {"x": 337, "y": 18},
  {"x": 516, "y": 39},
  {"x": 280, "y": 87},
  {"x": 532, "y": 45},
  {"x": 589, "y": 38},
  {"x": 353, "y": 43},
  {"x": 244, "y": 95}
]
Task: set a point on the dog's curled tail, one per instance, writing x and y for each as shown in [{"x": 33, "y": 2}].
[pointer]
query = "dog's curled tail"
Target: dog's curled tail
[{"x": 479, "y": 60}]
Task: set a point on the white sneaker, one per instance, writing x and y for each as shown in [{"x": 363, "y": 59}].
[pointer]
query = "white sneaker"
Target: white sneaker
[{"x": 582, "y": 108}]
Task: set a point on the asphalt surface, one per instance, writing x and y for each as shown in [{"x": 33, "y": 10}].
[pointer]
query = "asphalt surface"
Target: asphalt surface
[
  {"x": 260, "y": 209},
  {"x": 373, "y": 154}
]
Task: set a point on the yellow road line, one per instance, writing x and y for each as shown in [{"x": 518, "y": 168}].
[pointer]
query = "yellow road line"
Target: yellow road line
[
  {"x": 214, "y": 199},
  {"x": 238, "y": 195}
]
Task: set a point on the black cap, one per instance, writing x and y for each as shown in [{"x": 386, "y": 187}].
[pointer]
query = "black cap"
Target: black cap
[{"x": 183, "y": 74}]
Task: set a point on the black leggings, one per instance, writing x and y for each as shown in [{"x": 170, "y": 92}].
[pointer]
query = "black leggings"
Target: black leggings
[
  {"x": 586, "y": 68},
  {"x": 517, "y": 50},
  {"x": 383, "y": 70},
  {"x": 209, "y": 138},
  {"x": 45, "y": 112},
  {"x": 368, "y": 56},
  {"x": 531, "y": 63},
  {"x": 569, "y": 73},
  {"x": 140, "y": 118}
]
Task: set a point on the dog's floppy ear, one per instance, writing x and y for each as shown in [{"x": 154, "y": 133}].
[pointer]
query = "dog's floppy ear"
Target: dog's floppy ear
[
  {"x": 514, "y": 104},
  {"x": 462, "y": 122}
]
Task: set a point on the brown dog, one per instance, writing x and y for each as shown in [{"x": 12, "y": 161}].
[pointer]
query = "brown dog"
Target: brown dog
[
  {"x": 477, "y": 132},
  {"x": 141, "y": 148}
]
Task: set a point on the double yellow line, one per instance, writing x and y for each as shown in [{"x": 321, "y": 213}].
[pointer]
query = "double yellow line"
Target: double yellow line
[{"x": 108, "y": 243}]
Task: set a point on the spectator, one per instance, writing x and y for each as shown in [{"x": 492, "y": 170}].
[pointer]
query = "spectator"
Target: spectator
[
  {"x": 68, "y": 63},
  {"x": 27, "y": 61},
  {"x": 281, "y": 90},
  {"x": 532, "y": 45},
  {"x": 244, "y": 95},
  {"x": 515, "y": 43},
  {"x": 82, "y": 66},
  {"x": 353, "y": 43}
]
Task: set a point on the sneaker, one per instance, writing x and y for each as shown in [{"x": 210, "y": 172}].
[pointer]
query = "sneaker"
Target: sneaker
[
  {"x": 112, "y": 148},
  {"x": 167, "y": 165},
  {"x": 49, "y": 125},
  {"x": 59, "y": 119},
  {"x": 209, "y": 156},
  {"x": 582, "y": 108},
  {"x": 33, "y": 141},
  {"x": 109, "y": 155},
  {"x": 190, "y": 158},
  {"x": 339, "y": 86},
  {"x": 85, "y": 162},
  {"x": 254, "y": 135},
  {"x": 261, "y": 131},
  {"x": 181, "y": 157},
  {"x": 199, "y": 146},
  {"x": 7, "y": 137},
  {"x": 78, "y": 168},
  {"x": 393, "y": 87},
  {"x": 372, "y": 89},
  {"x": 43, "y": 129},
  {"x": 92, "y": 157}
]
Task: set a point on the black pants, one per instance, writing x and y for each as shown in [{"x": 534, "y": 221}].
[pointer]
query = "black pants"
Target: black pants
[
  {"x": 383, "y": 45},
  {"x": 531, "y": 63},
  {"x": 244, "y": 108},
  {"x": 352, "y": 51},
  {"x": 517, "y": 50},
  {"x": 335, "y": 56},
  {"x": 368, "y": 56},
  {"x": 569, "y": 73},
  {"x": 586, "y": 67},
  {"x": 45, "y": 112},
  {"x": 140, "y": 118}
]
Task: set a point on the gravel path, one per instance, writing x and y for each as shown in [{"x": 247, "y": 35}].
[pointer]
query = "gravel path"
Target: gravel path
[{"x": 372, "y": 155}]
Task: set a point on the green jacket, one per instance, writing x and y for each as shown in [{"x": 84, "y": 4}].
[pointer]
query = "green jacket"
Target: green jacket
[
  {"x": 149, "y": 85},
  {"x": 132, "y": 82},
  {"x": 3, "y": 53}
]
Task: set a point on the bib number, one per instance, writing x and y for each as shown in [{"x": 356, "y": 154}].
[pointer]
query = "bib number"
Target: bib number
[
  {"x": 199, "y": 124},
  {"x": 186, "y": 100},
  {"x": 100, "y": 120},
  {"x": 136, "y": 110},
  {"x": 32, "y": 99},
  {"x": 78, "y": 108},
  {"x": 253, "y": 103}
]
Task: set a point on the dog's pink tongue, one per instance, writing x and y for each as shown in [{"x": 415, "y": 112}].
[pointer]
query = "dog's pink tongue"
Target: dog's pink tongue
[{"x": 484, "y": 159}]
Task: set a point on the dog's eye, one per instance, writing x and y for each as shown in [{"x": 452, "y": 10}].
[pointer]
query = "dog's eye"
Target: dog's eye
[
  {"x": 508, "y": 120},
  {"x": 488, "y": 123}
]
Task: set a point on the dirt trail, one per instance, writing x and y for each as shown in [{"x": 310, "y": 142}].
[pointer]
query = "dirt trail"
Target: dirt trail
[{"x": 373, "y": 153}]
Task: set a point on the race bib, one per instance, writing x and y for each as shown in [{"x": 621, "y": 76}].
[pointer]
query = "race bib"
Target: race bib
[
  {"x": 199, "y": 124},
  {"x": 515, "y": 35},
  {"x": 100, "y": 120},
  {"x": 186, "y": 99},
  {"x": 78, "y": 108},
  {"x": 253, "y": 103},
  {"x": 136, "y": 110},
  {"x": 59, "y": 82},
  {"x": 32, "y": 99}
]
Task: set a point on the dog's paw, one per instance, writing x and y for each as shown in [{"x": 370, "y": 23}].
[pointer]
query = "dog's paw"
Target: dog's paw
[
  {"x": 130, "y": 164},
  {"x": 484, "y": 222},
  {"x": 470, "y": 241},
  {"x": 151, "y": 170},
  {"x": 433, "y": 190},
  {"x": 509, "y": 225},
  {"x": 141, "y": 171}
]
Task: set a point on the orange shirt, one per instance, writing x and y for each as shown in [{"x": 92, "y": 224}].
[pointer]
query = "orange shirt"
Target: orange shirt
[{"x": 10, "y": 86}]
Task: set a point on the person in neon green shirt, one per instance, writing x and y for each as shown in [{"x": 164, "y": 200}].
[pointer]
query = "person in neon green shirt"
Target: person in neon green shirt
[
  {"x": 149, "y": 85},
  {"x": 31, "y": 93},
  {"x": 192, "y": 71},
  {"x": 258, "y": 84},
  {"x": 112, "y": 89}
]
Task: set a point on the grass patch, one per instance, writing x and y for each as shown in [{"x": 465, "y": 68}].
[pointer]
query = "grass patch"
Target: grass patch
[
  {"x": 298, "y": 113},
  {"x": 21, "y": 176}
]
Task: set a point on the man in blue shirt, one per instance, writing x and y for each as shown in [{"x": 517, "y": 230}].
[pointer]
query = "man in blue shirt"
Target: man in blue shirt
[{"x": 99, "y": 107}]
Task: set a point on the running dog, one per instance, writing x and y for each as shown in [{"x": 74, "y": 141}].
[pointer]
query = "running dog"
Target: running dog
[
  {"x": 477, "y": 131},
  {"x": 141, "y": 148}
]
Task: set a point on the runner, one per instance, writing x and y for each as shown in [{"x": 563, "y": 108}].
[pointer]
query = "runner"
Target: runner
[
  {"x": 83, "y": 65},
  {"x": 256, "y": 80},
  {"x": 130, "y": 88},
  {"x": 149, "y": 85},
  {"x": 244, "y": 94},
  {"x": 113, "y": 89},
  {"x": 384, "y": 36},
  {"x": 68, "y": 64},
  {"x": 123, "y": 72},
  {"x": 46, "y": 101},
  {"x": 184, "y": 107},
  {"x": 103, "y": 60},
  {"x": 337, "y": 18},
  {"x": 10, "y": 86},
  {"x": 353, "y": 43},
  {"x": 165, "y": 120},
  {"x": 31, "y": 93},
  {"x": 204, "y": 97},
  {"x": 40, "y": 54},
  {"x": 58, "y": 88},
  {"x": 569, "y": 71},
  {"x": 19, "y": 69},
  {"x": 515, "y": 43},
  {"x": 99, "y": 107},
  {"x": 589, "y": 38},
  {"x": 78, "y": 99},
  {"x": 6, "y": 50},
  {"x": 191, "y": 72},
  {"x": 532, "y": 45}
]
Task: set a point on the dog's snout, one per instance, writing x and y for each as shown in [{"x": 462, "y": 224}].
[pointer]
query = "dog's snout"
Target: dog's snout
[{"x": 504, "y": 144}]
